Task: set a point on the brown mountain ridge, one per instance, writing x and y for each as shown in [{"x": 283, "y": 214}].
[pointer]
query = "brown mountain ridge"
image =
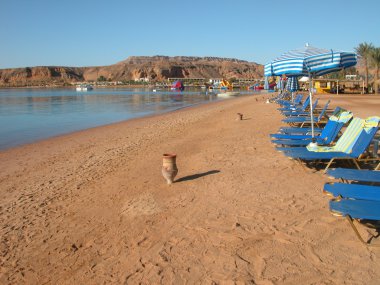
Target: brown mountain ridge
[{"x": 153, "y": 68}]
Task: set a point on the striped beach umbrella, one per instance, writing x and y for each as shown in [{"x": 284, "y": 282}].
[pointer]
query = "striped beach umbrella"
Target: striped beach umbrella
[
  {"x": 292, "y": 84},
  {"x": 310, "y": 61},
  {"x": 280, "y": 83},
  {"x": 268, "y": 70},
  {"x": 315, "y": 61},
  {"x": 266, "y": 83}
]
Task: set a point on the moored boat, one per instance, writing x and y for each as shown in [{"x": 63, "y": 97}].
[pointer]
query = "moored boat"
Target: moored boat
[
  {"x": 84, "y": 87},
  {"x": 228, "y": 94}
]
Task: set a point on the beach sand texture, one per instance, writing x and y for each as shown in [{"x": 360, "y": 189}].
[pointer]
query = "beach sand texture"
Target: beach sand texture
[{"x": 93, "y": 208}]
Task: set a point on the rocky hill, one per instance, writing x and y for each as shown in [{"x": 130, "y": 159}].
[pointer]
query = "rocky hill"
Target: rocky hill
[{"x": 156, "y": 68}]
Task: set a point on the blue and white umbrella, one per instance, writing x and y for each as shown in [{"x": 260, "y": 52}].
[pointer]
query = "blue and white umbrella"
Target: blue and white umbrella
[
  {"x": 292, "y": 84},
  {"x": 280, "y": 84},
  {"x": 312, "y": 62},
  {"x": 266, "y": 83},
  {"x": 268, "y": 70}
]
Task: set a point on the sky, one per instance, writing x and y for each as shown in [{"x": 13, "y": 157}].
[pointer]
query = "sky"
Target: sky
[{"x": 95, "y": 33}]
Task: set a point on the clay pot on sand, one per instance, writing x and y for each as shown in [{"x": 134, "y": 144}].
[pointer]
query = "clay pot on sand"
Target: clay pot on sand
[
  {"x": 239, "y": 117},
  {"x": 169, "y": 167}
]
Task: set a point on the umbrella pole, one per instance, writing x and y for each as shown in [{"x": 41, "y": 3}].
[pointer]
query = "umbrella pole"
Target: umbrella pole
[{"x": 311, "y": 107}]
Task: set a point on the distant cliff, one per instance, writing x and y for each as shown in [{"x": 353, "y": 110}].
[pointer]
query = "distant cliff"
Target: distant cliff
[{"x": 155, "y": 68}]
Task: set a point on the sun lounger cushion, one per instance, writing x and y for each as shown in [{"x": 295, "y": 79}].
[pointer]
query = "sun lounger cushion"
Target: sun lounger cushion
[
  {"x": 356, "y": 209},
  {"x": 363, "y": 175},
  {"x": 353, "y": 191}
]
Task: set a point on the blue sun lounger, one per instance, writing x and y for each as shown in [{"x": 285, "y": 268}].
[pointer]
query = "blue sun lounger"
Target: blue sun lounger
[
  {"x": 307, "y": 130},
  {"x": 299, "y": 110},
  {"x": 285, "y": 131},
  {"x": 296, "y": 104},
  {"x": 328, "y": 134},
  {"x": 361, "y": 175},
  {"x": 353, "y": 191},
  {"x": 306, "y": 119},
  {"x": 298, "y": 130},
  {"x": 287, "y": 103},
  {"x": 344, "y": 143},
  {"x": 350, "y": 146},
  {"x": 365, "y": 211}
]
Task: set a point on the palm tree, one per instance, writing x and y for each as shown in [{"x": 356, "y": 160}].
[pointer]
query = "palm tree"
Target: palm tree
[
  {"x": 375, "y": 62},
  {"x": 364, "y": 50}
]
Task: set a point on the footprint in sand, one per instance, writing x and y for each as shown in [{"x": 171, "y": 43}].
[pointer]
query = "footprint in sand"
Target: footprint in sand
[{"x": 144, "y": 204}]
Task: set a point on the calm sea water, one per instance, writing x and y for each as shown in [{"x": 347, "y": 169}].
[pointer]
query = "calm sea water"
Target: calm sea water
[{"x": 28, "y": 115}]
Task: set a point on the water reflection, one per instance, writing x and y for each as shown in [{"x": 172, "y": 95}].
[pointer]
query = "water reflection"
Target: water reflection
[{"x": 27, "y": 115}]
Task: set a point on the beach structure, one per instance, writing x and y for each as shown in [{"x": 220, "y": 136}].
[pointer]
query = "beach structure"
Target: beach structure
[
  {"x": 188, "y": 81},
  {"x": 225, "y": 84},
  {"x": 337, "y": 86},
  {"x": 178, "y": 85},
  {"x": 310, "y": 61}
]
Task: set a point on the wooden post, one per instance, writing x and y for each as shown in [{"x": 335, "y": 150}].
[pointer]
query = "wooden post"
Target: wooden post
[
  {"x": 337, "y": 87},
  {"x": 363, "y": 87}
]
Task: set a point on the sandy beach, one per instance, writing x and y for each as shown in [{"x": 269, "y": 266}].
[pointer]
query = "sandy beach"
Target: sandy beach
[{"x": 93, "y": 208}]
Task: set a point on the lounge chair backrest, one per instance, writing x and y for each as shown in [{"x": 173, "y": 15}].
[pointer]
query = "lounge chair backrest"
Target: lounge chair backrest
[
  {"x": 330, "y": 131},
  {"x": 335, "y": 124},
  {"x": 335, "y": 115},
  {"x": 341, "y": 115},
  {"x": 369, "y": 130},
  {"x": 315, "y": 104},
  {"x": 350, "y": 136},
  {"x": 298, "y": 99},
  {"x": 323, "y": 111},
  {"x": 305, "y": 103}
]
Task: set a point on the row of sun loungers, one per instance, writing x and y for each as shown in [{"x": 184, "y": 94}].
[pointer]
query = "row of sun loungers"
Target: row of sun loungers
[{"x": 340, "y": 137}]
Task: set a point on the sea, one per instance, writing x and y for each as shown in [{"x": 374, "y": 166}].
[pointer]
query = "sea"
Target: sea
[{"x": 30, "y": 114}]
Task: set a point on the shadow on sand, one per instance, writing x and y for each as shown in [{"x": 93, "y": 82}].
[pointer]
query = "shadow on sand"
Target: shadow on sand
[{"x": 195, "y": 176}]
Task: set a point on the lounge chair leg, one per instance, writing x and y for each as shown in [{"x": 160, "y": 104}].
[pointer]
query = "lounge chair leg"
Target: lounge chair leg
[
  {"x": 356, "y": 163},
  {"x": 328, "y": 165},
  {"x": 350, "y": 220}
]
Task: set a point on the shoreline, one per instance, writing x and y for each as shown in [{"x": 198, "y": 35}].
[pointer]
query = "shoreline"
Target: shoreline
[
  {"x": 123, "y": 121},
  {"x": 92, "y": 207},
  {"x": 323, "y": 97}
]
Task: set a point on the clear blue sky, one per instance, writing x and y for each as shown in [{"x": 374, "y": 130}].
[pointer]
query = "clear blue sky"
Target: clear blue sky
[{"x": 93, "y": 32}]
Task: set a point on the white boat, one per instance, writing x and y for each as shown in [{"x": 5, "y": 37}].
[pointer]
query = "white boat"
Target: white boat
[
  {"x": 228, "y": 94},
  {"x": 84, "y": 87}
]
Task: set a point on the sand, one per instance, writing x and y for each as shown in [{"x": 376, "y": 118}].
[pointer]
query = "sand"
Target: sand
[{"x": 93, "y": 208}]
